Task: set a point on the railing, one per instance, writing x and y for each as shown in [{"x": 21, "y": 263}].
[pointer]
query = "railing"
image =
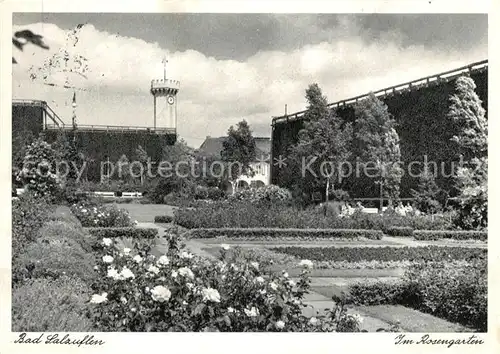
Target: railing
[
  {"x": 113, "y": 128},
  {"x": 410, "y": 85},
  {"x": 47, "y": 110}
]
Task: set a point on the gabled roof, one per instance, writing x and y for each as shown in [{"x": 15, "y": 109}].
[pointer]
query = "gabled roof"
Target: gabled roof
[{"x": 214, "y": 146}]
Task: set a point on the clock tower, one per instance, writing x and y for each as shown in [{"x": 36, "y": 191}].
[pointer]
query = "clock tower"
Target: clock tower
[{"x": 164, "y": 93}]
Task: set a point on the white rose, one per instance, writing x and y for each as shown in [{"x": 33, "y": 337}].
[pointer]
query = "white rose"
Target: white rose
[
  {"x": 107, "y": 241},
  {"x": 230, "y": 310},
  {"x": 163, "y": 260},
  {"x": 313, "y": 321},
  {"x": 186, "y": 255},
  {"x": 174, "y": 274},
  {"x": 123, "y": 300},
  {"x": 306, "y": 263},
  {"x": 285, "y": 274},
  {"x": 273, "y": 286},
  {"x": 96, "y": 267},
  {"x": 97, "y": 299},
  {"x": 186, "y": 272},
  {"x": 291, "y": 282},
  {"x": 137, "y": 259},
  {"x": 126, "y": 273},
  {"x": 210, "y": 294},
  {"x": 160, "y": 293},
  {"x": 280, "y": 324},
  {"x": 255, "y": 265},
  {"x": 259, "y": 280},
  {"x": 112, "y": 273},
  {"x": 107, "y": 259},
  {"x": 153, "y": 269},
  {"x": 225, "y": 246},
  {"x": 253, "y": 312},
  {"x": 126, "y": 251}
]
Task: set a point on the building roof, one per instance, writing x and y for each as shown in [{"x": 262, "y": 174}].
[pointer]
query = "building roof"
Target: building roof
[{"x": 214, "y": 146}]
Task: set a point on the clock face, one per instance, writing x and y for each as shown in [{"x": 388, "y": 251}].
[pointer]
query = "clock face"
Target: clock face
[{"x": 170, "y": 99}]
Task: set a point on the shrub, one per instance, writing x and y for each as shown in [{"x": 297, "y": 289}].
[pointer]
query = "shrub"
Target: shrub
[
  {"x": 123, "y": 232},
  {"x": 269, "y": 194},
  {"x": 404, "y": 231},
  {"x": 387, "y": 253},
  {"x": 53, "y": 258},
  {"x": 44, "y": 305},
  {"x": 284, "y": 233},
  {"x": 163, "y": 219},
  {"x": 427, "y": 235},
  {"x": 95, "y": 215},
  {"x": 457, "y": 294},
  {"x": 71, "y": 234},
  {"x": 28, "y": 215},
  {"x": 180, "y": 292}
]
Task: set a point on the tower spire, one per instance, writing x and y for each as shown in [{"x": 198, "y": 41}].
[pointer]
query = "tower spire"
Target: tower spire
[{"x": 164, "y": 61}]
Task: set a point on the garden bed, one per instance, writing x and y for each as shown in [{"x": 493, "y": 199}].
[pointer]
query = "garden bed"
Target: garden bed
[{"x": 359, "y": 254}]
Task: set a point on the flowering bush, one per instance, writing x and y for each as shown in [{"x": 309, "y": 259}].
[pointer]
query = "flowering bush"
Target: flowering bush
[
  {"x": 181, "y": 292},
  {"x": 36, "y": 173},
  {"x": 94, "y": 215},
  {"x": 270, "y": 193}
]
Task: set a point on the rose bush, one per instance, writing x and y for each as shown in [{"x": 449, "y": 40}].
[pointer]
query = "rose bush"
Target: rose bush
[
  {"x": 96, "y": 215},
  {"x": 181, "y": 292}
]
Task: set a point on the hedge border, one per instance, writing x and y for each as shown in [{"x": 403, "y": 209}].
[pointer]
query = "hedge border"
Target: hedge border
[
  {"x": 125, "y": 232},
  {"x": 432, "y": 235},
  {"x": 163, "y": 219},
  {"x": 400, "y": 231},
  {"x": 279, "y": 232}
]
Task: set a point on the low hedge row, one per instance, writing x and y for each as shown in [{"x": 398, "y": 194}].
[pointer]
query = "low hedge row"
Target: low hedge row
[
  {"x": 125, "y": 232},
  {"x": 457, "y": 294},
  {"x": 402, "y": 231},
  {"x": 387, "y": 253},
  {"x": 284, "y": 233},
  {"x": 165, "y": 219},
  {"x": 429, "y": 235}
]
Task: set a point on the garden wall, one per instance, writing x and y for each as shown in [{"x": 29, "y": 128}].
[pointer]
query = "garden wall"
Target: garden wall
[{"x": 423, "y": 129}]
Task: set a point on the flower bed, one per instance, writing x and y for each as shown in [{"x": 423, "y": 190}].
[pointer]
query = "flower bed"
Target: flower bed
[
  {"x": 358, "y": 254},
  {"x": 96, "y": 215},
  {"x": 241, "y": 214},
  {"x": 457, "y": 294},
  {"x": 262, "y": 233},
  {"x": 427, "y": 235},
  {"x": 123, "y": 232},
  {"x": 180, "y": 292}
]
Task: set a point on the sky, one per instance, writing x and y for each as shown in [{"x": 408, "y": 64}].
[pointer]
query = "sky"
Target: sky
[{"x": 237, "y": 66}]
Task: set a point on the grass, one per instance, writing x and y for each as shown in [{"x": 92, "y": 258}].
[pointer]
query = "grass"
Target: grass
[{"x": 147, "y": 212}]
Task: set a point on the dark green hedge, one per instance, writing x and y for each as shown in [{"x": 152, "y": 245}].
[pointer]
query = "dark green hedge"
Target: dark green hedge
[
  {"x": 285, "y": 233},
  {"x": 387, "y": 253},
  {"x": 399, "y": 231},
  {"x": 164, "y": 219},
  {"x": 425, "y": 235},
  {"x": 128, "y": 232}
]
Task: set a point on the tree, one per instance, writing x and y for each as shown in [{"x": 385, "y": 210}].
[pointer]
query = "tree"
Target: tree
[
  {"x": 238, "y": 152},
  {"x": 324, "y": 143},
  {"x": 37, "y": 174},
  {"x": 143, "y": 158},
  {"x": 427, "y": 192},
  {"x": 379, "y": 145},
  {"x": 177, "y": 158},
  {"x": 472, "y": 140}
]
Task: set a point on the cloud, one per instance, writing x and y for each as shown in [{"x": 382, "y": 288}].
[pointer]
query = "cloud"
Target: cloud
[{"x": 216, "y": 93}]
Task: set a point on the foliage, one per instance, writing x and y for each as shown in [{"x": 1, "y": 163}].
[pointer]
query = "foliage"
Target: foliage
[
  {"x": 386, "y": 253},
  {"x": 404, "y": 231},
  {"x": 53, "y": 257},
  {"x": 208, "y": 193},
  {"x": 427, "y": 193},
  {"x": 249, "y": 215},
  {"x": 163, "y": 219},
  {"x": 37, "y": 172},
  {"x": 238, "y": 151},
  {"x": 379, "y": 144},
  {"x": 426, "y": 235},
  {"x": 45, "y": 305},
  {"x": 324, "y": 144},
  {"x": 72, "y": 234},
  {"x": 457, "y": 294},
  {"x": 123, "y": 232},
  {"x": 20, "y": 142},
  {"x": 266, "y": 194},
  {"x": 262, "y": 233},
  {"x": 29, "y": 213},
  {"x": 95, "y": 215},
  {"x": 179, "y": 292},
  {"x": 141, "y": 156}
]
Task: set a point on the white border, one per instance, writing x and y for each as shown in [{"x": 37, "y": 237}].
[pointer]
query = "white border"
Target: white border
[{"x": 251, "y": 343}]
